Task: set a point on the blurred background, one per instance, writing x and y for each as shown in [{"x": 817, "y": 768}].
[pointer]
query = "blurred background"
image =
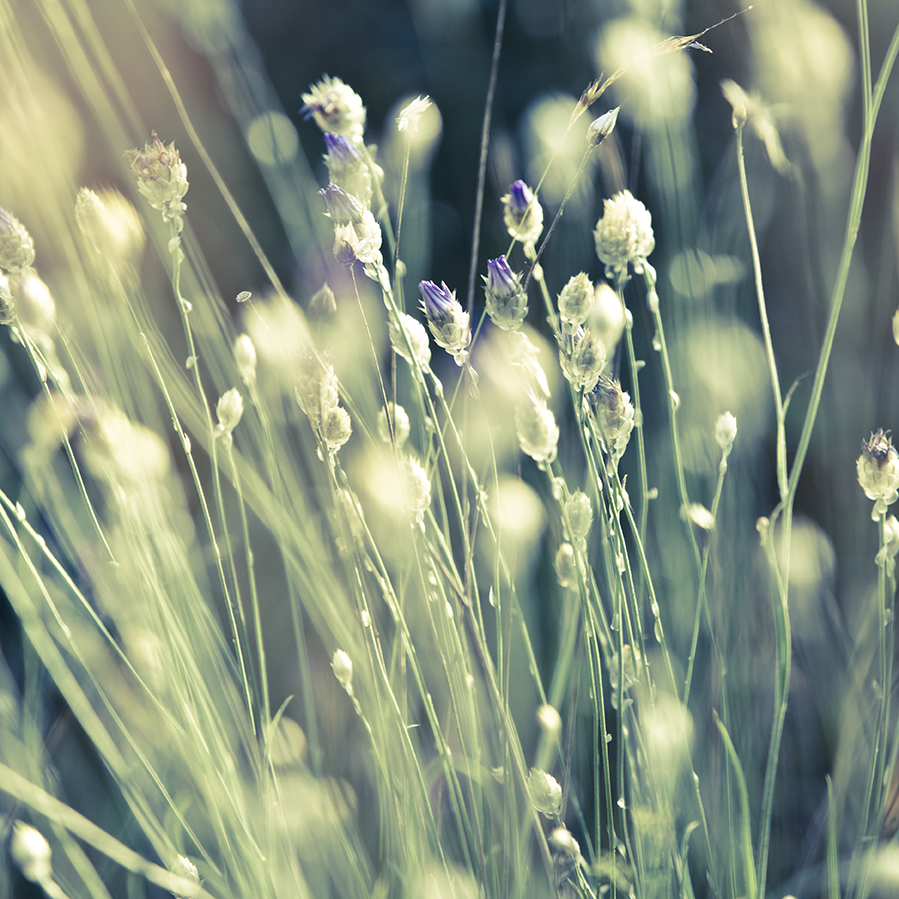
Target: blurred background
[{"x": 240, "y": 70}]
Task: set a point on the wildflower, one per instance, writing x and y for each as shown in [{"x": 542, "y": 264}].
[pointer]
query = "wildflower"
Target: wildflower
[
  {"x": 624, "y": 235},
  {"x": 161, "y": 178},
  {"x": 347, "y": 168},
  {"x": 522, "y": 214},
  {"x": 582, "y": 357},
  {"x": 336, "y": 107},
  {"x": 878, "y": 471},
  {"x": 614, "y": 414},
  {"x": 726, "y": 432},
  {"x": 562, "y": 841},
  {"x": 546, "y": 794},
  {"x": 357, "y": 233},
  {"x": 507, "y": 303},
  {"x": 579, "y": 514},
  {"x": 566, "y": 566},
  {"x": 245, "y": 358},
  {"x": 16, "y": 245},
  {"x": 317, "y": 393},
  {"x": 396, "y": 428},
  {"x": 31, "y": 852},
  {"x": 575, "y": 302},
  {"x": 602, "y": 127},
  {"x": 538, "y": 433},
  {"x": 184, "y": 868},
  {"x": 410, "y": 340},
  {"x": 228, "y": 410},
  {"x": 550, "y": 721},
  {"x": 411, "y": 114},
  {"x": 111, "y": 226},
  {"x": 447, "y": 321},
  {"x": 416, "y": 488},
  {"x": 342, "y": 666}
]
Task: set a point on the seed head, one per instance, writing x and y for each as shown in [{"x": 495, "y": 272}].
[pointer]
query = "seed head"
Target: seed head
[
  {"x": 624, "y": 235},
  {"x": 245, "y": 358},
  {"x": 546, "y": 794},
  {"x": 16, "y": 245},
  {"x": 522, "y": 213},
  {"x": 580, "y": 514},
  {"x": 161, "y": 177},
  {"x": 575, "y": 302},
  {"x": 228, "y": 410},
  {"x": 538, "y": 433},
  {"x": 342, "y": 666},
  {"x": 614, "y": 414},
  {"x": 507, "y": 303},
  {"x": 582, "y": 357},
  {"x": 336, "y": 107}
]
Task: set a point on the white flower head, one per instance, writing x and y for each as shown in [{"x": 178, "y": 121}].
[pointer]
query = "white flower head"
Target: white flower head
[
  {"x": 336, "y": 107},
  {"x": 342, "y": 666},
  {"x": 726, "y": 432},
  {"x": 546, "y": 794},
  {"x": 411, "y": 114},
  {"x": 228, "y": 410},
  {"x": 161, "y": 178},
  {"x": 624, "y": 235},
  {"x": 878, "y": 471}
]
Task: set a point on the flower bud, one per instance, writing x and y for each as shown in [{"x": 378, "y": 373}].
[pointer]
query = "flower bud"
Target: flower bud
[
  {"x": 447, "y": 321},
  {"x": 228, "y": 410},
  {"x": 245, "y": 358},
  {"x": 550, "y": 722},
  {"x": 726, "y": 432},
  {"x": 602, "y": 127},
  {"x": 580, "y": 514},
  {"x": 575, "y": 302},
  {"x": 522, "y": 213},
  {"x": 582, "y": 358},
  {"x": 342, "y": 665},
  {"x": 538, "y": 433},
  {"x": 507, "y": 303},
  {"x": 566, "y": 566},
  {"x": 614, "y": 415},
  {"x": 336, "y": 107},
  {"x": 878, "y": 471},
  {"x": 623, "y": 235},
  {"x": 161, "y": 177},
  {"x": 546, "y": 794}
]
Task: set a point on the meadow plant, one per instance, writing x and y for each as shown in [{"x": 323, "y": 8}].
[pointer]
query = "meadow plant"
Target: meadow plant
[{"x": 350, "y": 588}]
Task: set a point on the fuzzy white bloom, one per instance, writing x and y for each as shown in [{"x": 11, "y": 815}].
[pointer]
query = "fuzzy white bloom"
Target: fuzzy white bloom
[
  {"x": 336, "y": 428},
  {"x": 878, "y": 472},
  {"x": 538, "y": 433},
  {"x": 161, "y": 178},
  {"x": 400, "y": 422},
  {"x": 417, "y": 351},
  {"x": 550, "y": 721},
  {"x": 16, "y": 245},
  {"x": 546, "y": 794},
  {"x": 580, "y": 514},
  {"x": 411, "y": 114},
  {"x": 342, "y": 666},
  {"x": 522, "y": 214},
  {"x": 228, "y": 410},
  {"x": 582, "y": 357},
  {"x": 31, "y": 853},
  {"x": 183, "y": 867},
  {"x": 615, "y": 416},
  {"x": 416, "y": 488},
  {"x": 575, "y": 302},
  {"x": 245, "y": 358},
  {"x": 562, "y": 841},
  {"x": 624, "y": 235},
  {"x": 566, "y": 566},
  {"x": 726, "y": 432},
  {"x": 111, "y": 226},
  {"x": 336, "y": 107}
]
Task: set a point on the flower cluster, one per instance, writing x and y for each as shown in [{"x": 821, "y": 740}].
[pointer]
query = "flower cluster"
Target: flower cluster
[
  {"x": 624, "y": 235},
  {"x": 446, "y": 319}
]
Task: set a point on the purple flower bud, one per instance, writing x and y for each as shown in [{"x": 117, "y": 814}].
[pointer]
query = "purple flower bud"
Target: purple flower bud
[
  {"x": 437, "y": 302},
  {"x": 343, "y": 208},
  {"x": 340, "y": 150},
  {"x": 520, "y": 196},
  {"x": 500, "y": 278}
]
